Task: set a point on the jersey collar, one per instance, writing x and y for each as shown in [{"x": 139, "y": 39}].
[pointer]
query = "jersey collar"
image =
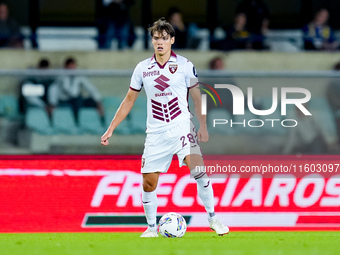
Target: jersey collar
[{"x": 173, "y": 58}]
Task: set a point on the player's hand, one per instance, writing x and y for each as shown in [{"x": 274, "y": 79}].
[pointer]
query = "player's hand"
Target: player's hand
[
  {"x": 105, "y": 138},
  {"x": 203, "y": 135}
]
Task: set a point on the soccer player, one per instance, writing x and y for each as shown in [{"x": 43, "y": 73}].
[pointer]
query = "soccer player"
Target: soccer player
[{"x": 167, "y": 79}]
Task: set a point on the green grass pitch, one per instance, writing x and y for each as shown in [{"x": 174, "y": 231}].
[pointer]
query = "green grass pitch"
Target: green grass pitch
[{"x": 235, "y": 243}]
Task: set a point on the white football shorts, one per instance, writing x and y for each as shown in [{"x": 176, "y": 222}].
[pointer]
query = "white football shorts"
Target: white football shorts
[{"x": 159, "y": 148}]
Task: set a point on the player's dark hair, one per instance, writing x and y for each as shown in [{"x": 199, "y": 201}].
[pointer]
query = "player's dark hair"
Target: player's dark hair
[
  {"x": 172, "y": 11},
  {"x": 337, "y": 66},
  {"x": 212, "y": 63},
  {"x": 44, "y": 63},
  {"x": 160, "y": 26},
  {"x": 320, "y": 10},
  {"x": 69, "y": 60}
]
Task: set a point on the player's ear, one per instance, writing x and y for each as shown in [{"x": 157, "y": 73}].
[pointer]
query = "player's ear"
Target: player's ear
[{"x": 172, "y": 40}]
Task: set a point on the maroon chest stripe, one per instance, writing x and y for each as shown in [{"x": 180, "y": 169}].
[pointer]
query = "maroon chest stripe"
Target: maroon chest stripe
[
  {"x": 173, "y": 100},
  {"x": 174, "y": 110},
  {"x": 158, "y": 113},
  {"x": 175, "y": 115},
  {"x": 159, "y": 118},
  {"x": 156, "y": 103},
  {"x": 173, "y": 105},
  {"x": 156, "y": 108}
]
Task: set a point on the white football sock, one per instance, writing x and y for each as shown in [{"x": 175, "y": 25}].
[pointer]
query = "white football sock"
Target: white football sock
[
  {"x": 149, "y": 200},
  {"x": 205, "y": 192}
]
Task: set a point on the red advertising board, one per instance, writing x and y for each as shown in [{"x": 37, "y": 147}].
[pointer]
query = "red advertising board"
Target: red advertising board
[{"x": 103, "y": 193}]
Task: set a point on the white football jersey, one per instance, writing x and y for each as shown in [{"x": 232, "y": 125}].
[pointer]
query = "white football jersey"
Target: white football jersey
[{"x": 167, "y": 90}]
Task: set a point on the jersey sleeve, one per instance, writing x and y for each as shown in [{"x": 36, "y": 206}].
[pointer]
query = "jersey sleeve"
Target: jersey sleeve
[
  {"x": 191, "y": 79},
  {"x": 136, "y": 79}
]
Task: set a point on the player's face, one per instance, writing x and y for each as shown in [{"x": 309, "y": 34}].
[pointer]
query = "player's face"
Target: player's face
[
  {"x": 3, "y": 12},
  {"x": 162, "y": 42},
  {"x": 322, "y": 17},
  {"x": 71, "y": 65}
]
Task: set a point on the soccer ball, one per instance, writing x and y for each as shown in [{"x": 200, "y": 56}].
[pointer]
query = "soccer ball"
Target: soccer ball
[{"x": 172, "y": 225}]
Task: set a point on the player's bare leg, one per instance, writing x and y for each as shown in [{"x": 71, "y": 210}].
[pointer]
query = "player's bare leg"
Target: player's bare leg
[
  {"x": 149, "y": 200},
  {"x": 205, "y": 192}
]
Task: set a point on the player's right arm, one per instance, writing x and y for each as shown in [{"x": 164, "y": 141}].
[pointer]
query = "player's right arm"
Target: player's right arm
[{"x": 123, "y": 110}]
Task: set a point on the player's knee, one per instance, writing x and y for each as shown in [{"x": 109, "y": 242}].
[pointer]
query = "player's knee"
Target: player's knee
[
  {"x": 148, "y": 186},
  {"x": 150, "y": 182}
]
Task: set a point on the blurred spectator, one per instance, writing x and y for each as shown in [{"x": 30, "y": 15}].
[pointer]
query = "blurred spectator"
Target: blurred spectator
[
  {"x": 113, "y": 21},
  {"x": 10, "y": 35},
  {"x": 318, "y": 35},
  {"x": 238, "y": 37},
  {"x": 216, "y": 63},
  {"x": 185, "y": 35},
  {"x": 176, "y": 20},
  {"x": 34, "y": 91},
  {"x": 333, "y": 95},
  {"x": 257, "y": 15},
  {"x": 308, "y": 137},
  {"x": 333, "y": 92},
  {"x": 71, "y": 91}
]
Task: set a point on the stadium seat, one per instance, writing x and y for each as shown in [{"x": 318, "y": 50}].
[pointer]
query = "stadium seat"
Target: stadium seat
[
  {"x": 26, "y": 32},
  {"x": 141, "y": 103},
  {"x": 277, "y": 128},
  {"x": 9, "y": 106},
  {"x": 220, "y": 113},
  {"x": 139, "y": 42},
  {"x": 89, "y": 121},
  {"x": 123, "y": 128},
  {"x": 111, "y": 103},
  {"x": 2, "y": 110},
  {"x": 326, "y": 121},
  {"x": 138, "y": 120},
  {"x": 203, "y": 34},
  {"x": 37, "y": 120},
  {"x": 67, "y": 38},
  {"x": 285, "y": 40},
  {"x": 319, "y": 103},
  {"x": 64, "y": 122},
  {"x": 219, "y": 33},
  {"x": 322, "y": 113},
  {"x": 246, "y": 128}
]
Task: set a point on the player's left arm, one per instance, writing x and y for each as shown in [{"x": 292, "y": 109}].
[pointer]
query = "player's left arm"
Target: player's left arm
[{"x": 202, "y": 133}]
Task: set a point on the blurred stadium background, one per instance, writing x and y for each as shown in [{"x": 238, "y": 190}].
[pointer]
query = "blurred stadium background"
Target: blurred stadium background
[
  {"x": 42, "y": 148},
  {"x": 56, "y": 30}
]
